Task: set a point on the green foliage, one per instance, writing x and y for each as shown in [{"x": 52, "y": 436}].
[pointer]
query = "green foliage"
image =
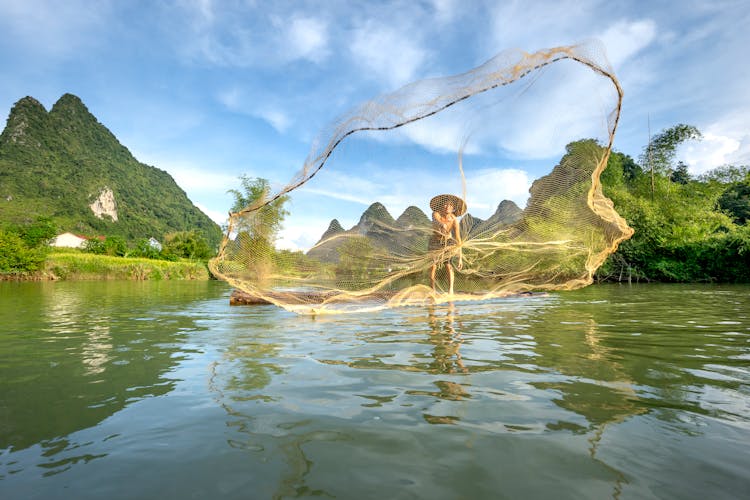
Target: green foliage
[
  {"x": 38, "y": 233},
  {"x": 621, "y": 169},
  {"x": 266, "y": 222},
  {"x": 258, "y": 219},
  {"x": 660, "y": 153},
  {"x": 23, "y": 247},
  {"x": 56, "y": 164},
  {"x": 94, "y": 246},
  {"x": 112, "y": 245},
  {"x": 295, "y": 263},
  {"x": 680, "y": 174},
  {"x": 735, "y": 201},
  {"x": 144, "y": 249},
  {"x": 16, "y": 257},
  {"x": 115, "y": 245},
  {"x": 187, "y": 244},
  {"x": 726, "y": 174},
  {"x": 689, "y": 231}
]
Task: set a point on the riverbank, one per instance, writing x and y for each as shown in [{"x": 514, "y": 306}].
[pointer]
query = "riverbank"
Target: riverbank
[{"x": 71, "y": 266}]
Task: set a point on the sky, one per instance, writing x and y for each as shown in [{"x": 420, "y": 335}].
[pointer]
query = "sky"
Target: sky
[{"x": 210, "y": 90}]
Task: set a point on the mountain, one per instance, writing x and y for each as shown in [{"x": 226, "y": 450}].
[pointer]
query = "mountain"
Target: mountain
[
  {"x": 326, "y": 250},
  {"x": 507, "y": 213},
  {"x": 377, "y": 225},
  {"x": 412, "y": 218},
  {"x": 334, "y": 228},
  {"x": 408, "y": 234},
  {"x": 66, "y": 165}
]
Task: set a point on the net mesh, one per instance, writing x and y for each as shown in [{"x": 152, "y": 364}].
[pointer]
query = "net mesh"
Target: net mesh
[{"x": 557, "y": 241}]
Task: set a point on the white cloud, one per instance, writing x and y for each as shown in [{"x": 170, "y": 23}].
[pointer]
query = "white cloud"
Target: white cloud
[
  {"x": 245, "y": 35},
  {"x": 334, "y": 184},
  {"x": 344, "y": 195},
  {"x": 301, "y": 235},
  {"x": 216, "y": 216},
  {"x": 197, "y": 179},
  {"x": 532, "y": 118},
  {"x": 710, "y": 152},
  {"x": 726, "y": 141},
  {"x": 536, "y": 25},
  {"x": 232, "y": 98},
  {"x": 624, "y": 39},
  {"x": 486, "y": 188},
  {"x": 443, "y": 133},
  {"x": 205, "y": 8},
  {"x": 236, "y": 100},
  {"x": 742, "y": 155},
  {"x": 446, "y": 10},
  {"x": 307, "y": 38},
  {"x": 390, "y": 55},
  {"x": 277, "y": 118}
]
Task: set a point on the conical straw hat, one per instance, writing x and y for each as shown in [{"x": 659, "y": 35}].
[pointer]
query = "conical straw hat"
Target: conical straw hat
[{"x": 439, "y": 202}]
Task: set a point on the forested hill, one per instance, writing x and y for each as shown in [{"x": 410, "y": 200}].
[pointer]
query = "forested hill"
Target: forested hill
[{"x": 65, "y": 165}]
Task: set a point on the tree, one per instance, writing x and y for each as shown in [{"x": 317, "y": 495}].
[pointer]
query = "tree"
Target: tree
[
  {"x": 116, "y": 246},
  {"x": 659, "y": 153},
  {"x": 661, "y": 150},
  {"x": 16, "y": 257},
  {"x": 263, "y": 222},
  {"x": 620, "y": 167},
  {"x": 726, "y": 174},
  {"x": 187, "y": 244},
  {"x": 112, "y": 245},
  {"x": 680, "y": 175},
  {"x": 630, "y": 168},
  {"x": 144, "y": 249},
  {"x": 735, "y": 201},
  {"x": 39, "y": 233},
  {"x": 257, "y": 221}
]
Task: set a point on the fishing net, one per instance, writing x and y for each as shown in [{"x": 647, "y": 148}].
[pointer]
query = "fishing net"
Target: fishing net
[{"x": 564, "y": 100}]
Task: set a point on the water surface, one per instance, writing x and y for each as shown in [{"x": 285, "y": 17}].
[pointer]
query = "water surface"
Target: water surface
[{"x": 162, "y": 390}]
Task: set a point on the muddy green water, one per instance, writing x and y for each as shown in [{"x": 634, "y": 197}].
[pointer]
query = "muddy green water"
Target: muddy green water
[{"x": 162, "y": 390}]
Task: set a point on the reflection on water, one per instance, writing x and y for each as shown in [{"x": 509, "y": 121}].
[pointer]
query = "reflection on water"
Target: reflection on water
[
  {"x": 73, "y": 354},
  {"x": 623, "y": 392},
  {"x": 446, "y": 339},
  {"x": 540, "y": 366}
]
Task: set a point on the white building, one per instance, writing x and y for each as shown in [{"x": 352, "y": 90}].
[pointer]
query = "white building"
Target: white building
[
  {"x": 69, "y": 240},
  {"x": 154, "y": 243}
]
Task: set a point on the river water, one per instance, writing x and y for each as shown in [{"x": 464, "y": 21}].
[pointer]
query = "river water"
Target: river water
[{"x": 162, "y": 390}]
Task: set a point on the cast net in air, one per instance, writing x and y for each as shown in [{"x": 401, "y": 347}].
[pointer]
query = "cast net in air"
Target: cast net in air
[{"x": 496, "y": 123}]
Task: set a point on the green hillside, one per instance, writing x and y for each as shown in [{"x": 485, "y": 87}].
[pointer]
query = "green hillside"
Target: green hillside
[{"x": 57, "y": 163}]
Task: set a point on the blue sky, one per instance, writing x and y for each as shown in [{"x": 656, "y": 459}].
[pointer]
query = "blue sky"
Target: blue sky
[{"x": 210, "y": 90}]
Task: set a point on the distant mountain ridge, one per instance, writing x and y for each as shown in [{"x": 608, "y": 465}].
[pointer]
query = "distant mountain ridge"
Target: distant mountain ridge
[
  {"x": 66, "y": 165},
  {"x": 407, "y": 234}
]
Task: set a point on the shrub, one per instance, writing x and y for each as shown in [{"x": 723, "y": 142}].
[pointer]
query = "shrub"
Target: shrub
[{"x": 16, "y": 258}]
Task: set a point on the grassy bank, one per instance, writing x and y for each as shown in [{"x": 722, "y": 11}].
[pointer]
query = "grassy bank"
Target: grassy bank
[{"x": 86, "y": 266}]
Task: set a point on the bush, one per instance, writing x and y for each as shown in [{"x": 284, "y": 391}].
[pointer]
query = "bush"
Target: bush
[
  {"x": 112, "y": 245},
  {"x": 16, "y": 258},
  {"x": 39, "y": 233},
  {"x": 186, "y": 244},
  {"x": 94, "y": 246},
  {"x": 144, "y": 249}
]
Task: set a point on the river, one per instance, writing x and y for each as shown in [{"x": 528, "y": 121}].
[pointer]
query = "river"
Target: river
[{"x": 162, "y": 390}]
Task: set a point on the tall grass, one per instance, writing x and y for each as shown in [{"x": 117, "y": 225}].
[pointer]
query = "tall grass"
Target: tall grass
[{"x": 86, "y": 266}]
